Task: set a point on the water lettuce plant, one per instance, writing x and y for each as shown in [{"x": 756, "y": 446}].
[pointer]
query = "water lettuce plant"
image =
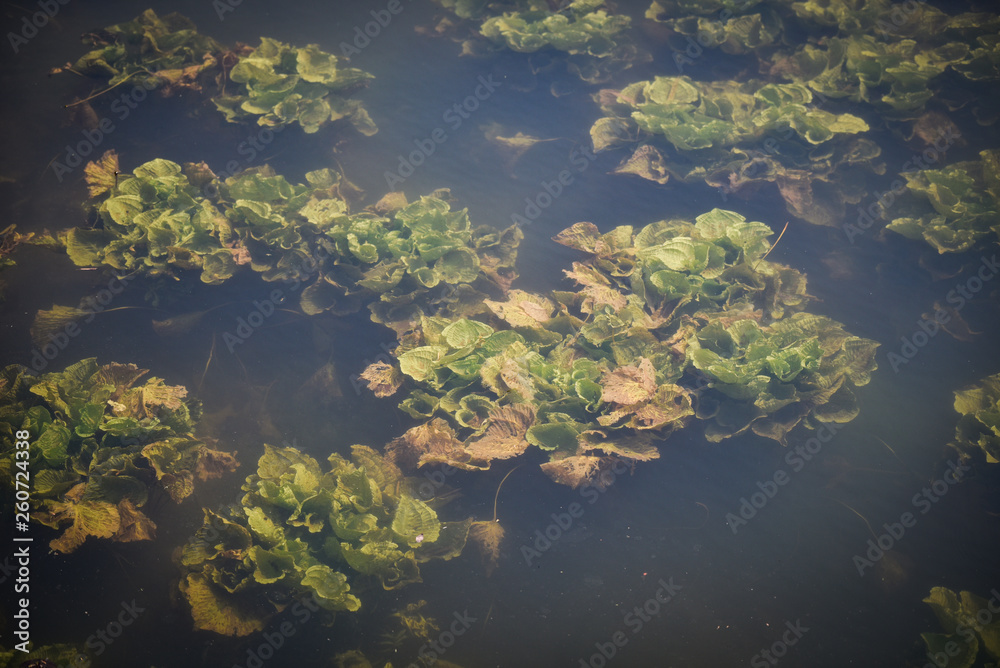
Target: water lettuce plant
[
  {"x": 304, "y": 531},
  {"x": 589, "y": 34},
  {"x": 737, "y": 29},
  {"x": 978, "y": 430},
  {"x": 594, "y": 377},
  {"x": 952, "y": 208},
  {"x": 885, "y": 54},
  {"x": 163, "y": 220},
  {"x": 895, "y": 76},
  {"x": 966, "y": 637},
  {"x": 737, "y": 137},
  {"x": 275, "y": 84},
  {"x": 580, "y": 27},
  {"x": 154, "y": 52},
  {"x": 101, "y": 444},
  {"x": 282, "y": 84}
]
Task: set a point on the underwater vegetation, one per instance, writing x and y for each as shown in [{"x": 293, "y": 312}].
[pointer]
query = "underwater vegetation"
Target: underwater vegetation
[
  {"x": 888, "y": 55},
  {"x": 586, "y": 34},
  {"x": 952, "y": 208},
  {"x": 274, "y": 84},
  {"x": 711, "y": 132},
  {"x": 302, "y": 531},
  {"x": 597, "y": 376},
  {"x": 400, "y": 259},
  {"x": 966, "y": 638},
  {"x": 42, "y": 657},
  {"x": 978, "y": 431},
  {"x": 103, "y": 443}
]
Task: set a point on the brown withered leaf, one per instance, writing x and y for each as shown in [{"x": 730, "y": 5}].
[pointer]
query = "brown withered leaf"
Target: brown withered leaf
[
  {"x": 390, "y": 202},
  {"x": 586, "y": 275},
  {"x": 955, "y": 324},
  {"x": 156, "y": 393},
  {"x": 101, "y": 174},
  {"x": 510, "y": 148},
  {"x": 184, "y": 79},
  {"x": 179, "y": 485},
  {"x": 504, "y": 435},
  {"x": 48, "y": 323},
  {"x": 629, "y": 385},
  {"x": 122, "y": 376},
  {"x": 522, "y": 309},
  {"x": 487, "y": 535},
  {"x": 638, "y": 448},
  {"x": 215, "y": 463},
  {"x": 667, "y": 407},
  {"x": 646, "y": 162},
  {"x": 581, "y": 236},
  {"x": 435, "y": 438},
  {"x": 134, "y": 524},
  {"x": 383, "y": 379},
  {"x": 579, "y": 470},
  {"x": 517, "y": 378},
  {"x": 596, "y": 288}
]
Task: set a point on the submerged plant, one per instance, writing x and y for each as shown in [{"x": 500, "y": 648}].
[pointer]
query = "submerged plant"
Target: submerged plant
[
  {"x": 488, "y": 534},
  {"x": 596, "y": 376},
  {"x": 283, "y": 85},
  {"x": 714, "y": 133},
  {"x": 966, "y": 638},
  {"x": 978, "y": 430},
  {"x": 101, "y": 442},
  {"x": 301, "y": 531},
  {"x": 591, "y": 36},
  {"x": 952, "y": 208},
  {"x": 402, "y": 259},
  {"x": 274, "y": 84}
]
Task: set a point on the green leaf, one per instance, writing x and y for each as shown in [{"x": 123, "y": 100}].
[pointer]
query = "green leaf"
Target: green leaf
[
  {"x": 415, "y": 518},
  {"x": 553, "y": 436}
]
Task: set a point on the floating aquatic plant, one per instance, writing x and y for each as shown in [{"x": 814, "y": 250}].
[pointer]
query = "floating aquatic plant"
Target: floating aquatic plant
[
  {"x": 275, "y": 84},
  {"x": 596, "y": 376},
  {"x": 401, "y": 258},
  {"x": 591, "y": 36},
  {"x": 952, "y": 208},
  {"x": 101, "y": 442},
  {"x": 282, "y": 84},
  {"x": 966, "y": 637},
  {"x": 978, "y": 430},
  {"x": 738, "y": 136},
  {"x": 302, "y": 531}
]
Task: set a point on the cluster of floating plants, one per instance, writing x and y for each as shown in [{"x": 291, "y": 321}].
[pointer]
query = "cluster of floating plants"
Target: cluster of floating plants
[
  {"x": 102, "y": 444},
  {"x": 952, "y": 208},
  {"x": 596, "y": 376},
  {"x": 978, "y": 432},
  {"x": 711, "y": 132},
  {"x": 966, "y": 638},
  {"x": 884, "y": 54},
  {"x": 588, "y": 35},
  {"x": 300, "y": 530},
  {"x": 274, "y": 84},
  {"x": 401, "y": 259}
]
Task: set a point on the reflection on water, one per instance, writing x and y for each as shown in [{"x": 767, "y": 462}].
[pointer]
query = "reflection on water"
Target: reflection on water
[{"x": 769, "y": 530}]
